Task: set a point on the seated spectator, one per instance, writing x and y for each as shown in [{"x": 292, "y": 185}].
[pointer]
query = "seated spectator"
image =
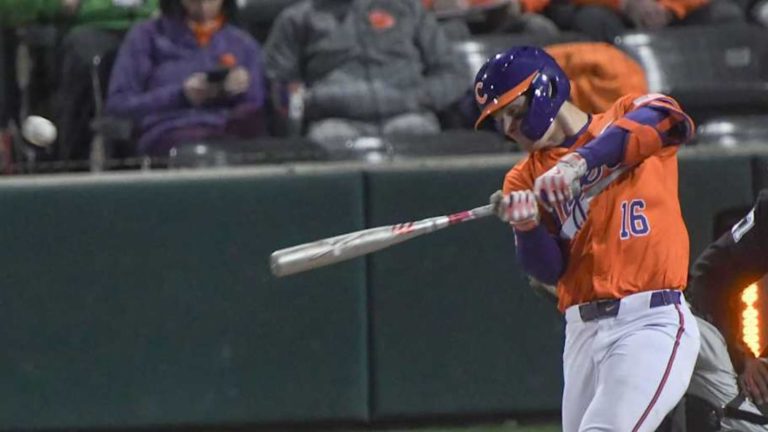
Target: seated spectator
[
  {"x": 369, "y": 68},
  {"x": 188, "y": 76},
  {"x": 604, "y": 20},
  {"x": 98, "y": 27},
  {"x": 498, "y": 16}
]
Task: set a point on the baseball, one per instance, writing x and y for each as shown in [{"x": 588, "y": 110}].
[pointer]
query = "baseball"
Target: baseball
[{"x": 39, "y": 131}]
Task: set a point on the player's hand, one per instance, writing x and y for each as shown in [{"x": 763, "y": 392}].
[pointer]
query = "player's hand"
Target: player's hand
[
  {"x": 519, "y": 209},
  {"x": 237, "y": 82},
  {"x": 198, "y": 90},
  {"x": 754, "y": 380},
  {"x": 561, "y": 183}
]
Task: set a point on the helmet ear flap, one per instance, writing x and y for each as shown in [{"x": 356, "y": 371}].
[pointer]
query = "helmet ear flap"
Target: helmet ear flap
[
  {"x": 548, "y": 92},
  {"x": 541, "y": 109}
]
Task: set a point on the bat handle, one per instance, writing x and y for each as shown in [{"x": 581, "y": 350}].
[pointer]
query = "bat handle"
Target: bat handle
[
  {"x": 483, "y": 211},
  {"x": 468, "y": 215}
]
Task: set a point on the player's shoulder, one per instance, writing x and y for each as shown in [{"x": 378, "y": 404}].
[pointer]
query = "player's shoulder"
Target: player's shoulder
[
  {"x": 525, "y": 172},
  {"x": 633, "y": 101},
  {"x": 518, "y": 177}
]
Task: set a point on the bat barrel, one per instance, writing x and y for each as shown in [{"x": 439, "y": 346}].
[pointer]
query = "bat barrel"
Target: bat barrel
[
  {"x": 332, "y": 250},
  {"x": 284, "y": 262},
  {"x": 305, "y": 257},
  {"x": 328, "y": 251}
]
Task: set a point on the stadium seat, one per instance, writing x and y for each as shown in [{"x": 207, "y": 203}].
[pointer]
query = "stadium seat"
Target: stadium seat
[
  {"x": 476, "y": 50},
  {"x": 450, "y": 143},
  {"x": 256, "y": 16},
  {"x": 732, "y": 131},
  {"x": 235, "y": 152},
  {"x": 712, "y": 70},
  {"x": 398, "y": 147}
]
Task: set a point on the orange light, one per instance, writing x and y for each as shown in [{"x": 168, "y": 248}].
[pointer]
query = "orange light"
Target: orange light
[{"x": 750, "y": 319}]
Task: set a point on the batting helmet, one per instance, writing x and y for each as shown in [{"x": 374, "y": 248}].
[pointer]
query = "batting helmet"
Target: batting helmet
[{"x": 522, "y": 70}]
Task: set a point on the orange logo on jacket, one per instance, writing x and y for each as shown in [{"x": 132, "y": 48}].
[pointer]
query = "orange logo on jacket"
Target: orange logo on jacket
[
  {"x": 228, "y": 60},
  {"x": 381, "y": 19}
]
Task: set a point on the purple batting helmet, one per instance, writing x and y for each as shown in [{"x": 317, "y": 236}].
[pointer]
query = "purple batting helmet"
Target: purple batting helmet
[{"x": 523, "y": 70}]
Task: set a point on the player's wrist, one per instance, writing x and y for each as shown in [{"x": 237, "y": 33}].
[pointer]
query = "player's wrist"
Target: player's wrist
[
  {"x": 576, "y": 162},
  {"x": 525, "y": 226}
]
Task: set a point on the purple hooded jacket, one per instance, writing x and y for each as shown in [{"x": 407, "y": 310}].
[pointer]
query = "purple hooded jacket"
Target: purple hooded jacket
[{"x": 156, "y": 58}]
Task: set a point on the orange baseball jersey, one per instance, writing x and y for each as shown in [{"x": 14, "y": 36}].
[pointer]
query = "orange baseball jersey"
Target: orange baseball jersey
[{"x": 624, "y": 233}]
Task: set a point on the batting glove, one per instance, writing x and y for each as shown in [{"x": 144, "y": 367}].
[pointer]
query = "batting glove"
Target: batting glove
[
  {"x": 561, "y": 183},
  {"x": 519, "y": 209}
]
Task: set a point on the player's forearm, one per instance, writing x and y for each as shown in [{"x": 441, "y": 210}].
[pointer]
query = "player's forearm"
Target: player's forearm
[{"x": 540, "y": 254}]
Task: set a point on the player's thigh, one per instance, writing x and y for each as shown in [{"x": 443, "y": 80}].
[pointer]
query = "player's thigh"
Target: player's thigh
[
  {"x": 579, "y": 373},
  {"x": 644, "y": 373}
]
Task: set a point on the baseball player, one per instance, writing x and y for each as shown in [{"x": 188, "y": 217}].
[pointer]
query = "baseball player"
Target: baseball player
[
  {"x": 713, "y": 384},
  {"x": 595, "y": 211}
]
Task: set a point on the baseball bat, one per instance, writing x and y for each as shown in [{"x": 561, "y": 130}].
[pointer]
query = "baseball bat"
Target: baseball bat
[{"x": 320, "y": 253}]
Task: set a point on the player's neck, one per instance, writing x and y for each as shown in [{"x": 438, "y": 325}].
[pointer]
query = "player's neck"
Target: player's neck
[{"x": 572, "y": 119}]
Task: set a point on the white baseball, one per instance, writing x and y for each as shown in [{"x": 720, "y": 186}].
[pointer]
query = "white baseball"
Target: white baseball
[{"x": 39, "y": 131}]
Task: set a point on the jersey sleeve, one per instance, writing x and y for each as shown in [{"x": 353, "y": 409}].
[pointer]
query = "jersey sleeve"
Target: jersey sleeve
[
  {"x": 652, "y": 122},
  {"x": 730, "y": 264}
]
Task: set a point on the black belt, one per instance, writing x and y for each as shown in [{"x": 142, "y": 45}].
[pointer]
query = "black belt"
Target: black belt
[
  {"x": 610, "y": 308},
  {"x": 731, "y": 410}
]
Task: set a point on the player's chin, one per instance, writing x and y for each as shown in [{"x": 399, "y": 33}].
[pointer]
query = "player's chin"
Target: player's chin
[
  {"x": 532, "y": 146},
  {"x": 524, "y": 143}
]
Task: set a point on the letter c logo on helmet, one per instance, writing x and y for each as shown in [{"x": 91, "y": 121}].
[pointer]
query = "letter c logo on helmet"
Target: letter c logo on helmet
[
  {"x": 521, "y": 71},
  {"x": 480, "y": 96}
]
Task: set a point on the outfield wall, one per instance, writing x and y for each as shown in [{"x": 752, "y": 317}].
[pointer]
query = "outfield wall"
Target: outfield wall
[{"x": 145, "y": 299}]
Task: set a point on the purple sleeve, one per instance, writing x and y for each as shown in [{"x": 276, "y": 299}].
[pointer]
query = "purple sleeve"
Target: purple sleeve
[
  {"x": 540, "y": 254},
  {"x": 127, "y": 95},
  {"x": 608, "y": 148}
]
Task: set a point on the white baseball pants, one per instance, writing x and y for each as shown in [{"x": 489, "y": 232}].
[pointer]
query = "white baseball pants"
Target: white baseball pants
[{"x": 625, "y": 373}]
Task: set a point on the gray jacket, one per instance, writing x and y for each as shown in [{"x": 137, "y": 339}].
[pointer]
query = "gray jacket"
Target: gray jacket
[{"x": 364, "y": 59}]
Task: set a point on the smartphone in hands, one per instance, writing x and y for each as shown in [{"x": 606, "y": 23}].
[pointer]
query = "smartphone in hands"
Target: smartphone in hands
[{"x": 217, "y": 76}]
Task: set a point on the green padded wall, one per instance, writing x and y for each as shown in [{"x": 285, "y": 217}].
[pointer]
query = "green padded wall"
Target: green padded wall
[
  {"x": 711, "y": 183},
  {"x": 455, "y": 328},
  {"x": 147, "y": 300}
]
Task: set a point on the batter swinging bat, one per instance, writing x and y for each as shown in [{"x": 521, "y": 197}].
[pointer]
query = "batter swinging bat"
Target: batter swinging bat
[{"x": 331, "y": 250}]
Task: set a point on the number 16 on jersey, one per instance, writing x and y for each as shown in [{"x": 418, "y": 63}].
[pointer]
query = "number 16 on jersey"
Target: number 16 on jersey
[{"x": 634, "y": 223}]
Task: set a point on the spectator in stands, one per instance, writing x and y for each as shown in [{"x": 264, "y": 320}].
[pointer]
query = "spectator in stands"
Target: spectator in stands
[
  {"x": 498, "y": 16},
  {"x": 189, "y": 75},
  {"x": 96, "y": 28},
  {"x": 603, "y": 20},
  {"x": 369, "y": 67}
]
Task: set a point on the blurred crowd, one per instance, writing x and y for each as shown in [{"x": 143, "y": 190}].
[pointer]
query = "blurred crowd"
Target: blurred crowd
[{"x": 95, "y": 80}]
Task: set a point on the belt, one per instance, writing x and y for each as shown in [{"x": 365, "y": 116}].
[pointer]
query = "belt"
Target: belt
[{"x": 610, "y": 308}]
